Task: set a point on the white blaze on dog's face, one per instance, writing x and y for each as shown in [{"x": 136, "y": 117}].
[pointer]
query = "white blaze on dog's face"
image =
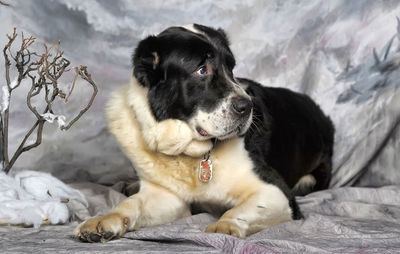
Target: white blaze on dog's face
[
  {"x": 188, "y": 73},
  {"x": 231, "y": 117}
]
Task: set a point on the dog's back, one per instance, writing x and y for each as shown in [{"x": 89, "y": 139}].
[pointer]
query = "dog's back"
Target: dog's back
[{"x": 293, "y": 135}]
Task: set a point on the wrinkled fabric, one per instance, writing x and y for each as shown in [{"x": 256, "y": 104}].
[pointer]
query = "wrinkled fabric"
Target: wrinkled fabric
[{"x": 342, "y": 220}]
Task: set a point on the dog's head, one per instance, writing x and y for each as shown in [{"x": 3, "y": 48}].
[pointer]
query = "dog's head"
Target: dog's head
[{"x": 188, "y": 73}]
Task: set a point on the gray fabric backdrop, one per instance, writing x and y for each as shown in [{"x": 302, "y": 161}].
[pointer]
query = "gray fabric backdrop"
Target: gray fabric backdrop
[{"x": 322, "y": 48}]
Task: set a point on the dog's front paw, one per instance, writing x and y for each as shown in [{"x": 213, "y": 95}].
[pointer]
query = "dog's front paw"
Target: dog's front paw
[
  {"x": 102, "y": 229},
  {"x": 226, "y": 227},
  {"x": 198, "y": 148},
  {"x": 172, "y": 136}
]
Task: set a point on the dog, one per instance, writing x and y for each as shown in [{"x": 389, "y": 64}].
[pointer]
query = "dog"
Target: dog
[{"x": 197, "y": 135}]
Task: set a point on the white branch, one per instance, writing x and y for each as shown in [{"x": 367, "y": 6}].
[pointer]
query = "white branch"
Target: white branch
[{"x": 5, "y": 102}]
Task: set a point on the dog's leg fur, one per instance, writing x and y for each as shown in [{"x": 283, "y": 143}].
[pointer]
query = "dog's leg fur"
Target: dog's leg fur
[
  {"x": 152, "y": 205},
  {"x": 264, "y": 208},
  {"x": 198, "y": 148},
  {"x": 304, "y": 186},
  {"x": 171, "y": 136}
]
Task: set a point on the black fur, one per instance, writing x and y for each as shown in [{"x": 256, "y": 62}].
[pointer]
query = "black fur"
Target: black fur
[
  {"x": 173, "y": 91},
  {"x": 291, "y": 133},
  {"x": 290, "y": 136}
]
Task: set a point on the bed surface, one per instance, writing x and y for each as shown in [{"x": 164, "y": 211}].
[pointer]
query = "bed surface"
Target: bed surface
[{"x": 342, "y": 220}]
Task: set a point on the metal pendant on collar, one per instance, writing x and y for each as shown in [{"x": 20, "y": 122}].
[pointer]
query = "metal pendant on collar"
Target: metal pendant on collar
[{"x": 205, "y": 171}]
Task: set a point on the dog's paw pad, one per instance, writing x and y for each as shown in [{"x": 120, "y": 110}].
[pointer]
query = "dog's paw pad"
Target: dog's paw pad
[
  {"x": 108, "y": 235},
  {"x": 94, "y": 237}
]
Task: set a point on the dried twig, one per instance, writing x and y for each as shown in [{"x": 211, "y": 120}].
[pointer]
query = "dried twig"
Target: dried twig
[
  {"x": 5, "y": 4},
  {"x": 44, "y": 71},
  {"x": 73, "y": 84},
  {"x": 6, "y": 111},
  {"x": 86, "y": 76}
]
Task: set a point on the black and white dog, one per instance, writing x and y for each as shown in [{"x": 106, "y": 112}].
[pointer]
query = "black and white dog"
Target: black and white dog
[{"x": 196, "y": 134}]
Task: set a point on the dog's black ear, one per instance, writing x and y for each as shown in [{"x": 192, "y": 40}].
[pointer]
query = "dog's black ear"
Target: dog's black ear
[
  {"x": 220, "y": 40},
  {"x": 146, "y": 61}
]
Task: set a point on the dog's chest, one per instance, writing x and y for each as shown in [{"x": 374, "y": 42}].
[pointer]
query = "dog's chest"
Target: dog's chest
[{"x": 232, "y": 176}]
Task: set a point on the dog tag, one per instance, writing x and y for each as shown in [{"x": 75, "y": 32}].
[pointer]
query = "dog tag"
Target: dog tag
[{"x": 205, "y": 172}]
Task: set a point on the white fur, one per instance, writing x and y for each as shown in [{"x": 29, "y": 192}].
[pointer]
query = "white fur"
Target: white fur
[
  {"x": 221, "y": 122},
  {"x": 34, "y": 198},
  {"x": 191, "y": 28},
  {"x": 307, "y": 181}
]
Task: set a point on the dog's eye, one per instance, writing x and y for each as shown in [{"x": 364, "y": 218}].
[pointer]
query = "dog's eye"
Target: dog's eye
[{"x": 202, "y": 71}]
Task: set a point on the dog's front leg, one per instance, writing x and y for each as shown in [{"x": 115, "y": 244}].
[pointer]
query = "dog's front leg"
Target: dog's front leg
[
  {"x": 198, "y": 148},
  {"x": 255, "y": 211},
  {"x": 152, "y": 205},
  {"x": 173, "y": 137}
]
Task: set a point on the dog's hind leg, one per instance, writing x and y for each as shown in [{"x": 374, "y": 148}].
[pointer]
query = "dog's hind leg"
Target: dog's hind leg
[
  {"x": 152, "y": 205},
  {"x": 322, "y": 175},
  {"x": 318, "y": 179},
  {"x": 304, "y": 186}
]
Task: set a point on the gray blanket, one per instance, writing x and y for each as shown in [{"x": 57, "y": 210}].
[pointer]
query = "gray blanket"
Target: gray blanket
[{"x": 342, "y": 220}]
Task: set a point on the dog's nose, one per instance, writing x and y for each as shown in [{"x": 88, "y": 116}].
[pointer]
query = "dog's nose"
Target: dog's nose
[{"x": 241, "y": 106}]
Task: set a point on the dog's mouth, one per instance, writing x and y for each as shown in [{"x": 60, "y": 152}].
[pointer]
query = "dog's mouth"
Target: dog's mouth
[
  {"x": 223, "y": 131},
  {"x": 228, "y": 134},
  {"x": 202, "y": 132}
]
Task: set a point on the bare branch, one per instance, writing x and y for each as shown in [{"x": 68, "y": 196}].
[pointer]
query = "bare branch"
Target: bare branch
[
  {"x": 86, "y": 76},
  {"x": 44, "y": 70},
  {"x": 5, "y": 4},
  {"x": 39, "y": 126},
  {"x": 5, "y": 118},
  {"x": 73, "y": 84}
]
